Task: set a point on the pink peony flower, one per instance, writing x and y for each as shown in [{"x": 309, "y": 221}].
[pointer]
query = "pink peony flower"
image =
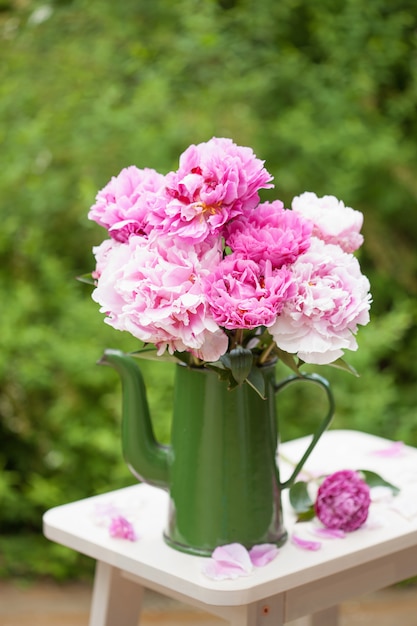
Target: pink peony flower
[
  {"x": 343, "y": 501},
  {"x": 166, "y": 276},
  {"x": 154, "y": 290},
  {"x": 102, "y": 253},
  {"x": 333, "y": 222},
  {"x": 123, "y": 205},
  {"x": 269, "y": 232},
  {"x": 332, "y": 299},
  {"x": 215, "y": 181},
  {"x": 243, "y": 294}
]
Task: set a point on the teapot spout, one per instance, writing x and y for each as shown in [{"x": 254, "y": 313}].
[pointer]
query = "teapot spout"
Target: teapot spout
[{"x": 146, "y": 458}]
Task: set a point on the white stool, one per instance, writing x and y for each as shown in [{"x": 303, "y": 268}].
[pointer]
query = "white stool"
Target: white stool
[{"x": 295, "y": 584}]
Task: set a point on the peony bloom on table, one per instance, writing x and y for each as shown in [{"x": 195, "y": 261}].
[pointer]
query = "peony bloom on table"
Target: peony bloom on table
[
  {"x": 198, "y": 266},
  {"x": 343, "y": 501}
]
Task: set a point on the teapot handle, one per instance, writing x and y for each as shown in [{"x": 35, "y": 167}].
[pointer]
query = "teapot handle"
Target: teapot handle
[{"x": 322, "y": 382}]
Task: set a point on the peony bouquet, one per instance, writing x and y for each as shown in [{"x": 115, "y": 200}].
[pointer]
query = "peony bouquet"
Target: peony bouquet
[{"x": 201, "y": 271}]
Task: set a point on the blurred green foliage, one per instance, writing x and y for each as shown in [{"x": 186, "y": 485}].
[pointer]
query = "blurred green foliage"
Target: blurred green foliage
[{"x": 325, "y": 92}]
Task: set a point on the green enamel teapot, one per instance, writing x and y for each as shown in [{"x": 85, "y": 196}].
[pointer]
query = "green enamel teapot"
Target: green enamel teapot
[{"x": 220, "y": 469}]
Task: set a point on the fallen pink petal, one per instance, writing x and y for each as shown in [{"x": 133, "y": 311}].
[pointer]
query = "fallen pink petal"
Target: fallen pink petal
[
  {"x": 263, "y": 554},
  {"x": 394, "y": 450},
  {"x": 233, "y": 560},
  {"x": 229, "y": 561},
  {"x": 121, "y": 528},
  {"x": 103, "y": 512},
  {"x": 305, "y": 544},
  {"x": 233, "y": 554},
  {"x": 221, "y": 571},
  {"x": 329, "y": 533}
]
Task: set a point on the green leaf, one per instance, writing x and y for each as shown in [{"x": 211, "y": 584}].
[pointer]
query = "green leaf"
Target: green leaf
[
  {"x": 288, "y": 359},
  {"x": 215, "y": 365},
  {"x": 341, "y": 364},
  {"x": 299, "y": 497},
  {"x": 151, "y": 354},
  {"x": 257, "y": 381},
  {"x": 87, "y": 278},
  {"x": 222, "y": 373},
  {"x": 375, "y": 480},
  {"x": 239, "y": 361},
  {"x": 306, "y": 516}
]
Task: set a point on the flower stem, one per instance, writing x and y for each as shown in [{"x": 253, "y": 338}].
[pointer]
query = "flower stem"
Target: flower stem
[
  {"x": 265, "y": 354},
  {"x": 238, "y": 338}
]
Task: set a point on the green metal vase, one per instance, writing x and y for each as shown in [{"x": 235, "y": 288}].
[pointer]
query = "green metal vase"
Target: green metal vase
[{"x": 220, "y": 468}]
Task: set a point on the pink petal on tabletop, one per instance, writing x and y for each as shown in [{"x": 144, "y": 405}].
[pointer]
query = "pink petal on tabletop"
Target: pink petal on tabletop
[
  {"x": 263, "y": 554},
  {"x": 121, "y": 528},
  {"x": 305, "y": 544},
  {"x": 222, "y": 571},
  {"x": 329, "y": 533},
  {"x": 103, "y": 512},
  {"x": 233, "y": 554},
  {"x": 229, "y": 561},
  {"x": 395, "y": 449}
]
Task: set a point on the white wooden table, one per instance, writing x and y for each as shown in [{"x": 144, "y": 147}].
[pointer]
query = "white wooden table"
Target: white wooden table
[{"x": 295, "y": 584}]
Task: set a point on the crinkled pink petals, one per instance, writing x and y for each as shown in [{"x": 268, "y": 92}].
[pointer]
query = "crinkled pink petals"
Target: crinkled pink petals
[
  {"x": 215, "y": 181},
  {"x": 154, "y": 290},
  {"x": 234, "y": 560},
  {"x": 333, "y": 222},
  {"x": 244, "y": 294},
  {"x": 332, "y": 298},
  {"x": 121, "y": 528},
  {"x": 102, "y": 254},
  {"x": 213, "y": 345},
  {"x": 269, "y": 232},
  {"x": 305, "y": 544},
  {"x": 124, "y": 204},
  {"x": 343, "y": 501},
  {"x": 108, "y": 515}
]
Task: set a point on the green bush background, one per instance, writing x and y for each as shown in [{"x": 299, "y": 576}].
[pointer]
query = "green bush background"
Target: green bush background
[{"x": 325, "y": 92}]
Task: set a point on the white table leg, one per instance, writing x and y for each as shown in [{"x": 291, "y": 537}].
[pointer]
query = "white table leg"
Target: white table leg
[
  {"x": 328, "y": 617},
  {"x": 116, "y": 600}
]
